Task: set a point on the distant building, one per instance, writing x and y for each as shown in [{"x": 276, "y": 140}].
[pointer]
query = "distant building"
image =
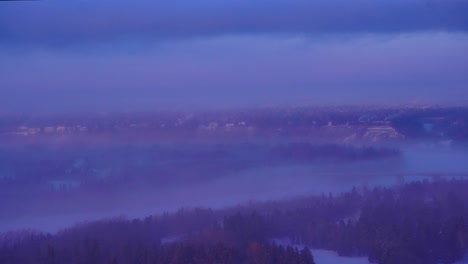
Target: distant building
[
  {"x": 60, "y": 129},
  {"x": 378, "y": 133}
]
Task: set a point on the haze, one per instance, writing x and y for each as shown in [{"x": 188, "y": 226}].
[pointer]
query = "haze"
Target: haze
[
  {"x": 252, "y": 132},
  {"x": 146, "y": 55}
]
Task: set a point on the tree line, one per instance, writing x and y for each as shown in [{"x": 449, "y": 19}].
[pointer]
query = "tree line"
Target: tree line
[{"x": 420, "y": 222}]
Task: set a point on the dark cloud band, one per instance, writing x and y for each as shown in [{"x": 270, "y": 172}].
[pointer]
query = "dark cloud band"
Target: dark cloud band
[{"x": 48, "y": 23}]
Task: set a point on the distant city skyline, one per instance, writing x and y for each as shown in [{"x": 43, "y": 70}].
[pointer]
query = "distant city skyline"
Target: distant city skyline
[{"x": 148, "y": 55}]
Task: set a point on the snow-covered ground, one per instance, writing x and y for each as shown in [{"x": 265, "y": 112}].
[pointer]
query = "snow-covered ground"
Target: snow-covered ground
[
  {"x": 330, "y": 257},
  {"x": 322, "y": 256}
]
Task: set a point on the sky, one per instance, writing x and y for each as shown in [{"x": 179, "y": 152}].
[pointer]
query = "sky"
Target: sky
[{"x": 102, "y": 55}]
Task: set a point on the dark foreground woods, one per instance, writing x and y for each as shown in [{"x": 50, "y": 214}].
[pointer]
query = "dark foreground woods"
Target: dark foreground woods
[{"x": 422, "y": 222}]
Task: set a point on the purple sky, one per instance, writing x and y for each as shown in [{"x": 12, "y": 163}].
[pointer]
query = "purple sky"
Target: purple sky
[{"x": 83, "y": 55}]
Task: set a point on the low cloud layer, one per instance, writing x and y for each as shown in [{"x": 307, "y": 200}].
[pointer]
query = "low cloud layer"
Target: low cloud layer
[
  {"x": 64, "y": 23},
  {"x": 242, "y": 71},
  {"x": 100, "y": 55}
]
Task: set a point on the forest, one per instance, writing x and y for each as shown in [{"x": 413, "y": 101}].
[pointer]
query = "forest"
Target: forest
[{"x": 418, "y": 222}]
